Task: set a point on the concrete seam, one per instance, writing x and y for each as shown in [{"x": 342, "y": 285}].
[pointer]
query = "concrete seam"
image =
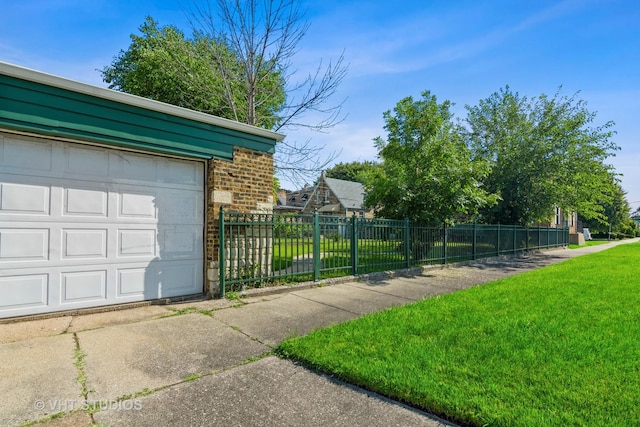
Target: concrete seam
[
  {"x": 235, "y": 328},
  {"x": 379, "y": 292},
  {"x": 328, "y": 305}
]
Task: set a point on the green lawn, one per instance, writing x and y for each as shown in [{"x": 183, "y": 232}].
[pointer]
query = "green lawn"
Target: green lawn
[
  {"x": 557, "y": 346},
  {"x": 589, "y": 243},
  {"x": 373, "y": 255}
]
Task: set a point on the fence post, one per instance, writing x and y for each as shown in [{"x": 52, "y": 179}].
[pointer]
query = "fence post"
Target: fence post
[
  {"x": 515, "y": 237},
  {"x": 354, "y": 245},
  {"x": 474, "y": 246},
  {"x": 498, "y": 240},
  {"x": 316, "y": 247},
  {"x": 539, "y": 238},
  {"x": 221, "y": 255},
  {"x": 444, "y": 243},
  {"x": 407, "y": 243},
  {"x": 526, "y": 240}
]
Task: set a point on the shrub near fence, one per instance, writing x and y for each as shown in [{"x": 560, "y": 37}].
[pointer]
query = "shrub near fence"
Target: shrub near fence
[{"x": 258, "y": 250}]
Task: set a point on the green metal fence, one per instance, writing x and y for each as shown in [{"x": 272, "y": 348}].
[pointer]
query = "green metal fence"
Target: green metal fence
[{"x": 258, "y": 250}]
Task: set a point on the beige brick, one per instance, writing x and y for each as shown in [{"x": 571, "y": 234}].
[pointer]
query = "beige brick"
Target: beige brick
[{"x": 243, "y": 185}]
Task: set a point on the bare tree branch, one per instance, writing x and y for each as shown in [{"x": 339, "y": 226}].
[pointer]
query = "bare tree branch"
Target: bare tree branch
[{"x": 264, "y": 35}]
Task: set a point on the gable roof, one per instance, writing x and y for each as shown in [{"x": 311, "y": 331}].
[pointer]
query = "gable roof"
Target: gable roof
[
  {"x": 349, "y": 193},
  {"x": 300, "y": 198}
]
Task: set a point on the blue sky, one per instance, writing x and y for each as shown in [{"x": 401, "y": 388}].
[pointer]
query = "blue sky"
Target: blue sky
[{"x": 462, "y": 51}]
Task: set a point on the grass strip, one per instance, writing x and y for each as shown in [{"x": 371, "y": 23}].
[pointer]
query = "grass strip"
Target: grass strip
[
  {"x": 590, "y": 243},
  {"x": 553, "y": 347}
]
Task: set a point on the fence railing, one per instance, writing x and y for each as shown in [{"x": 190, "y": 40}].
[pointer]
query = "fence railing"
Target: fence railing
[{"x": 258, "y": 250}]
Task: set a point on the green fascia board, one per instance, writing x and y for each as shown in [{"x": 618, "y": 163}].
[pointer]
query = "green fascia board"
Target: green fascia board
[
  {"x": 35, "y": 107},
  {"x": 110, "y": 142},
  {"x": 23, "y": 116}
]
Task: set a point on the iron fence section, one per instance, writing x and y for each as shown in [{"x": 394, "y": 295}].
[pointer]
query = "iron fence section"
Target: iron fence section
[{"x": 258, "y": 250}]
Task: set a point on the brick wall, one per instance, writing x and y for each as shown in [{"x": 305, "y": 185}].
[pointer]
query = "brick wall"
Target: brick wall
[{"x": 244, "y": 185}]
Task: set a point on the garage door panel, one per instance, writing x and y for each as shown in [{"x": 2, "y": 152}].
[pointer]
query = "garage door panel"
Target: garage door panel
[
  {"x": 96, "y": 226},
  {"x": 137, "y": 205},
  {"x": 26, "y": 244},
  {"x": 178, "y": 279},
  {"x": 84, "y": 243},
  {"x": 132, "y": 282},
  {"x": 181, "y": 207},
  {"x": 180, "y": 172},
  {"x": 179, "y": 242},
  {"x": 85, "y": 202},
  {"x": 26, "y": 155},
  {"x": 23, "y": 292},
  {"x": 137, "y": 168},
  {"x": 24, "y": 199},
  {"x": 81, "y": 286},
  {"x": 86, "y": 162},
  {"x": 136, "y": 243}
]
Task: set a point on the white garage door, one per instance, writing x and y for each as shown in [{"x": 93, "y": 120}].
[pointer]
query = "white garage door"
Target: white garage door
[{"x": 84, "y": 226}]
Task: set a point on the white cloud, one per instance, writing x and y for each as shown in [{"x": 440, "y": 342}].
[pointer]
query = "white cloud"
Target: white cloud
[
  {"x": 419, "y": 40},
  {"x": 345, "y": 143}
]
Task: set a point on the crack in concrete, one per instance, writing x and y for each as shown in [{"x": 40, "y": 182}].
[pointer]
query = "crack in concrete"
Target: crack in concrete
[
  {"x": 79, "y": 361},
  {"x": 68, "y": 327}
]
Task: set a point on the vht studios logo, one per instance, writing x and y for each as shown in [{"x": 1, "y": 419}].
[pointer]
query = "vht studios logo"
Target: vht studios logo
[{"x": 60, "y": 405}]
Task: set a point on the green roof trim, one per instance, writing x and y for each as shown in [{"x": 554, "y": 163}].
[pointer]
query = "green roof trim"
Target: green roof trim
[{"x": 39, "y": 103}]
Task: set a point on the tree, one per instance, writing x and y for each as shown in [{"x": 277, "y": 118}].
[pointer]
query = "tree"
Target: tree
[
  {"x": 616, "y": 213},
  {"x": 163, "y": 65},
  {"x": 426, "y": 172},
  {"x": 353, "y": 171},
  {"x": 245, "y": 48},
  {"x": 542, "y": 153},
  {"x": 265, "y": 35}
]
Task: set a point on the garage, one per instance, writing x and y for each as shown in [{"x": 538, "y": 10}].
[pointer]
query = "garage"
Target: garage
[
  {"x": 107, "y": 198},
  {"x": 88, "y": 226}
]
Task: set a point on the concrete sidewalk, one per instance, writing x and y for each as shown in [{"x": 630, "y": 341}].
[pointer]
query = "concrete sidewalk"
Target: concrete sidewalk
[{"x": 209, "y": 363}]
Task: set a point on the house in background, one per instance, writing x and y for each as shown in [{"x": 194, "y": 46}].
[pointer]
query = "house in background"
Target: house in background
[
  {"x": 569, "y": 220},
  {"x": 293, "y": 201},
  {"x": 329, "y": 196}
]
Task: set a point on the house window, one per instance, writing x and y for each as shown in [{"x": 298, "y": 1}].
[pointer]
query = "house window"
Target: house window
[
  {"x": 318, "y": 197},
  {"x": 557, "y": 216},
  {"x": 327, "y": 193}
]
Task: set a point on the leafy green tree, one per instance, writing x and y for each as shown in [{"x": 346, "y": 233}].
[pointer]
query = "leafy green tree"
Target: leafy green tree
[
  {"x": 352, "y": 171},
  {"x": 426, "y": 172},
  {"x": 542, "y": 153},
  {"x": 163, "y": 65},
  {"x": 616, "y": 213},
  {"x": 239, "y": 65}
]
